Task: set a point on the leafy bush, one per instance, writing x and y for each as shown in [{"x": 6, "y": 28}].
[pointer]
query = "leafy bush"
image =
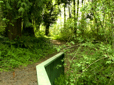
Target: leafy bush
[
  {"x": 25, "y": 51},
  {"x": 90, "y": 64},
  {"x": 61, "y": 79}
]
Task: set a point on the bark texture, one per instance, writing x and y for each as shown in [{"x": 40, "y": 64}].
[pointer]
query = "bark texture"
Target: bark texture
[{"x": 13, "y": 29}]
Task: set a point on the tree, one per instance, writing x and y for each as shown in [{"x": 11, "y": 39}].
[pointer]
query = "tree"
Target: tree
[
  {"x": 65, "y": 3},
  {"x": 34, "y": 16},
  {"x": 50, "y": 15},
  {"x": 13, "y": 11},
  {"x": 17, "y": 11}
]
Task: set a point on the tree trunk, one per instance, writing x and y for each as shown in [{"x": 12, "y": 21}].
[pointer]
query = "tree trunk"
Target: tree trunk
[
  {"x": 82, "y": 22},
  {"x": 69, "y": 12},
  {"x": 64, "y": 16},
  {"x": 77, "y": 8},
  {"x": 96, "y": 26},
  {"x": 13, "y": 30},
  {"x": 112, "y": 21},
  {"x": 82, "y": 2},
  {"x": 74, "y": 8},
  {"x": 28, "y": 31},
  {"x": 74, "y": 16},
  {"x": 47, "y": 30}
]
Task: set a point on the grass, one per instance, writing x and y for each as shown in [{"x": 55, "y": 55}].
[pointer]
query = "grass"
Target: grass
[{"x": 26, "y": 50}]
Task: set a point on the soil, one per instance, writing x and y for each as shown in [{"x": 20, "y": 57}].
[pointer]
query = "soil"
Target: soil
[{"x": 26, "y": 75}]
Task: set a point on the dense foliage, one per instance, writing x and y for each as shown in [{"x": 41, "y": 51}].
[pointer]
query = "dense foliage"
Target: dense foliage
[
  {"x": 94, "y": 23},
  {"x": 89, "y": 23},
  {"x": 88, "y": 64},
  {"x": 23, "y": 52}
]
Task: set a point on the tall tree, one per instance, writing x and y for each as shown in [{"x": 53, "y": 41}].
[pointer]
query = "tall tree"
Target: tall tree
[
  {"x": 16, "y": 11},
  {"x": 12, "y": 17},
  {"x": 65, "y": 3},
  {"x": 50, "y": 15},
  {"x": 34, "y": 15},
  {"x": 13, "y": 11}
]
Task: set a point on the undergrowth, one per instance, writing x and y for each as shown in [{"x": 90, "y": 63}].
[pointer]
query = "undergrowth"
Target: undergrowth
[
  {"x": 89, "y": 64},
  {"x": 24, "y": 51}
]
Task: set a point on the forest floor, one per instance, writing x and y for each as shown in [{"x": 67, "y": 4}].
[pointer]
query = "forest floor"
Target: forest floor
[{"x": 26, "y": 75}]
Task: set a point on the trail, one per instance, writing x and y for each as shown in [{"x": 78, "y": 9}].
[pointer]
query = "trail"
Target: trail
[{"x": 26, "y": 75}]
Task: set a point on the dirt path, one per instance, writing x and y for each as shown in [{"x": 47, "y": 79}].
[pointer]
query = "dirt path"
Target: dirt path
[
  {"x": 23, "y": 76},
  {"x": 57, "y": 42}
]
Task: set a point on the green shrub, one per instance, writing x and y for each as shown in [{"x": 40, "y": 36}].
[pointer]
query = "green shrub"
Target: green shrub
[
  {"x": 25, "y": 51},
  {"x": 60, "y": 80},
  {"x": 90, "y": 64}
]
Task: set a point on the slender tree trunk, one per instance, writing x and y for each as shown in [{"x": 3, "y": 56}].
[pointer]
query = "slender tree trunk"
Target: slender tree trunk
[
  {"x": 47, "y": 30},
  {"x": 69, "y": 12},
  {"x": 82, "y": 2},
  {"x": 64, "y": 16},
  {"x": 74, "y": 8},
  {"x": 77, "y": 8},
  {"x": 113, "y": 38},
  {"x": 0, "y": 16},
  {"x": 74, "y": 16},
  {"x": 112, "y": 21},
  {"x": 96, "y": 26},
  {"x": 96, "y": 21},
  {"x": 82, "y": 22}
]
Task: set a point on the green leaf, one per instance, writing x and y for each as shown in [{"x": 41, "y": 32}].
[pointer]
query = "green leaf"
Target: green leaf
[
  {"x": 23, "y": 4},
  {"x": 112, "y": 58},
  {"x": 72, "y": 42},
  {"x": 4, "y": 19},
  {"x": 105, "y": 55},
  {"x": 108, "y": 62},
  {"x": 79, "y": 65},
  {"x": 1, "y": 1},
  {"x": 72, "y": 84},
  {"x": 58, "y": 49},
  {"x": 21, "y": 10}
]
